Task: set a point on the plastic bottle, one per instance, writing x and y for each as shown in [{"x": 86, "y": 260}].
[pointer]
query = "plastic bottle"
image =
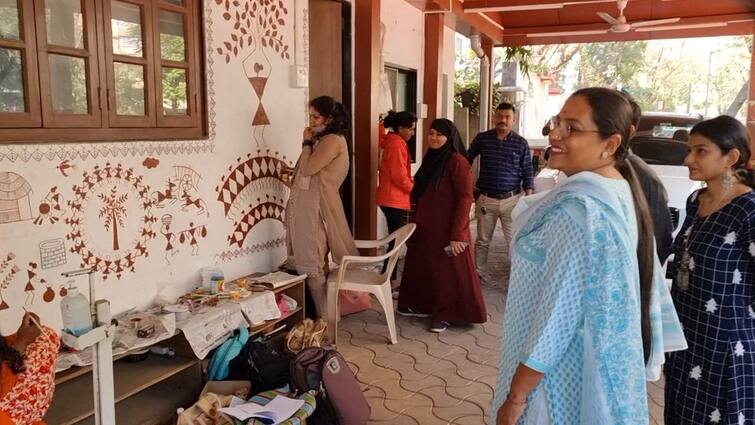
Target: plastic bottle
[{"x": 77, "y": 319}]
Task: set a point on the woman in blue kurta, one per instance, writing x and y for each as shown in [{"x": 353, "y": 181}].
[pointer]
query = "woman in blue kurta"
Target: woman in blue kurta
[
  {"x": 588, "y": 316},
  {"x": 714, "y": 273}
]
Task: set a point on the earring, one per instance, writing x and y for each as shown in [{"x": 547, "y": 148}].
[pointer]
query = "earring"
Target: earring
[
  {"x": 604, "y": 155},
  {"x": 728, "y": 181}
]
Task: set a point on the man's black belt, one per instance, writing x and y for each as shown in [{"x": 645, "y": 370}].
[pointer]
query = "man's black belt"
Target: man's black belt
[{"x": 503, "y": 195}]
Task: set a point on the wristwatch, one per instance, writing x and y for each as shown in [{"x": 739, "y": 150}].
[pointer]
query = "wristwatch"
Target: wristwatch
[{"x": 308, "y": 142}]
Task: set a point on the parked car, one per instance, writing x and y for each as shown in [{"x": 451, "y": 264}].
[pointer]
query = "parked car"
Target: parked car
[{"x": 661, "y": 140}]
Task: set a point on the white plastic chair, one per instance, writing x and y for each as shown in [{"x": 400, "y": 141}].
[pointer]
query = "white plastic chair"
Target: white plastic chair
[{"x": 348, "y": 277}]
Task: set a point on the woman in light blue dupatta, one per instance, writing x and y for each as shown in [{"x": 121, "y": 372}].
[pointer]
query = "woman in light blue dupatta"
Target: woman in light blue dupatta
[{"x": 588, "y": 315}]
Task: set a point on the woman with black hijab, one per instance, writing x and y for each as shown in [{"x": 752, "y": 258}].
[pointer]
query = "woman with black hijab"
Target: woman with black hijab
[{"x": 439, "y": 278}]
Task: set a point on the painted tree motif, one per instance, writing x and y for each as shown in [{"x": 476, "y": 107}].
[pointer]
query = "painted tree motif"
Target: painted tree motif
[
  {"x": 113, "y": 211},
  {"x": 257, "y": 24}
]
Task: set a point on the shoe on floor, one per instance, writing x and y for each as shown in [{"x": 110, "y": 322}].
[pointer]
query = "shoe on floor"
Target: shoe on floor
[
  {"x": 408, "y": 312},
  {"x": 439, "y": 326}
]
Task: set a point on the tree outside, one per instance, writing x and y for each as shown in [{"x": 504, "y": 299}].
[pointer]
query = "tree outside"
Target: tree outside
[{"x": 706, "y": 76}]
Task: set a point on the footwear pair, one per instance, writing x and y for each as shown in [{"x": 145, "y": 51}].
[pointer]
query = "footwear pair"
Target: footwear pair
[
  {"x": 408, "y": 312},
  {"x": 439, "y": 326}
]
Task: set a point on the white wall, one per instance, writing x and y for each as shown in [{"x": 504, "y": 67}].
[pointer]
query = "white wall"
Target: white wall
[
  {"x": 404, "y": 35},
  {"x": 223, "y": 228},
  {"x": 449, "y": 59}
]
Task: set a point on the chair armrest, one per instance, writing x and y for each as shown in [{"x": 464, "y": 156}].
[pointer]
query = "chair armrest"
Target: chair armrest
[
  {"x": 347, "y": 260},
  {"x": 372, "y": 244}
]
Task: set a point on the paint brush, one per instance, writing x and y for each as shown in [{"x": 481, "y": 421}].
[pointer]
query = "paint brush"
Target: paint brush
[{"x": 33, "y": 320}]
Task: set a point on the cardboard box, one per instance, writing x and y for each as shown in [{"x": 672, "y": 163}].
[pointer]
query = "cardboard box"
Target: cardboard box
[{"x": 237, "y": 388}]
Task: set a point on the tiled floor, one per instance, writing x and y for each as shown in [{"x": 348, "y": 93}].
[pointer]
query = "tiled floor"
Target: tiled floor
[{"x": 430, "y": 378}]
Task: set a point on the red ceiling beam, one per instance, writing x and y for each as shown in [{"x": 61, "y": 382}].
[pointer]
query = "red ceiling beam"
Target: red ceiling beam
[
  {"x": 488, "y": 25},
  {"x": 733, "y": 18},
  {"x": 741, "y": 28},
  {"x": 499, "y": 4}
]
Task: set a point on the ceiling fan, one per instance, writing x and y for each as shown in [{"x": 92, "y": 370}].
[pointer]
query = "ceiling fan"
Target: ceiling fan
[{"x": 618, "y": 24}]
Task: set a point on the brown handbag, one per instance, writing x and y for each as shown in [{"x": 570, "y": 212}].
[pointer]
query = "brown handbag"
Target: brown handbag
[{"x": 306, "y": 333}]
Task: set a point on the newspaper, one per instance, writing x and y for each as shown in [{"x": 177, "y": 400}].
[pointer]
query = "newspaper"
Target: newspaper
[
  {"x": 208, "y": 328},
  {"x": 259, "y": 307}
]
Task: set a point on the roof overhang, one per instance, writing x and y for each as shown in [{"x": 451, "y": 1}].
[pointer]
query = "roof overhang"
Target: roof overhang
[{"x": 526, "y": 22}]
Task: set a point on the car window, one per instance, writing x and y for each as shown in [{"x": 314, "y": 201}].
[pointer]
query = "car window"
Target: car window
[{"x": 667, "y": 130}]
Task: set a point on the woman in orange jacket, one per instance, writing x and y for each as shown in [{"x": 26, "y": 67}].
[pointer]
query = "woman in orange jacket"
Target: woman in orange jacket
[{"x": 395, "y": 174}]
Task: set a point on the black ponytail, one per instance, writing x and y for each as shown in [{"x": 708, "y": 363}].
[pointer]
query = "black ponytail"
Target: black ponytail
[
  {"x": 613, "y": 114},
  {"x": 11, "y": 356},
  {"x": 728, "y": 133},
  {"x": 335, "y": 113},
  {"x": 394, "y": 120}
]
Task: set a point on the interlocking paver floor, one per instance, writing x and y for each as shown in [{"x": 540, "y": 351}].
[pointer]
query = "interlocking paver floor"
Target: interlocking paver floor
[{"x": 430, "y": 378}]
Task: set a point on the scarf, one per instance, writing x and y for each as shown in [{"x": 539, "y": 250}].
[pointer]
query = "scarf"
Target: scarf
[{"x": 435, "y": 160}]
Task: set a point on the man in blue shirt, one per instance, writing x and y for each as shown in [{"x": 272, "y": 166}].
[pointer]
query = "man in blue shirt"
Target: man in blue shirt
[{"x": 505, "y": 173}]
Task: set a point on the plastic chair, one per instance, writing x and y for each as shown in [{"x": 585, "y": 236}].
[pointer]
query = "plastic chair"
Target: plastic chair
[{"x": 347, "y": 277}]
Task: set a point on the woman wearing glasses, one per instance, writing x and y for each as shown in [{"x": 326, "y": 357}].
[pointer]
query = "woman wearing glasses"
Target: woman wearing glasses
[{"x": 588, "y": 316}]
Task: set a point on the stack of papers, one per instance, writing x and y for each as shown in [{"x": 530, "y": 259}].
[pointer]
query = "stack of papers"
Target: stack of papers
[
  {"x": 278, "y": 410},
  {"x": 277, "y": 279}
]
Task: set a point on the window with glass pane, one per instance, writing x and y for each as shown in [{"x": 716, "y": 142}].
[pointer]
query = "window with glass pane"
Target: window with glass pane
[
  {"x": 11, "y": 81},
  {"x": 9, "y": 26},
  {"x": 129, "y": 89},
  {"x": 126, "y": 24},
  {"x": 65, "y": 23},
  {"x": 172, "y": 39},
  {"x": 174, "y": 91},
  {"x": 68, "y": 80}
]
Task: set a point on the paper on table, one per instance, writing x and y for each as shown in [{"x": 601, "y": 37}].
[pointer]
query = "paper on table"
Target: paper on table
[
  {"x": 259, "y": 307},
  {"x": 278, "y": 279},
  {"x": 275, "y": 412}
]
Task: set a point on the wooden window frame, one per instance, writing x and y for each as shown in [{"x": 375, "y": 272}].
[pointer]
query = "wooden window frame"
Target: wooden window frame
[
  {"x": 26, "y": 44},
  {"x": 41, "y": 124},
  {"x": 115, "y": 120}
]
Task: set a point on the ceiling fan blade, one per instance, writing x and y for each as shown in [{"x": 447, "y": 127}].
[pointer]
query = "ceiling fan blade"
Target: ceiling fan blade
[
  {"x": 608, "y": 18},
  {"x": 655, "y": 22},
  {"x": 563, "y": 33}
]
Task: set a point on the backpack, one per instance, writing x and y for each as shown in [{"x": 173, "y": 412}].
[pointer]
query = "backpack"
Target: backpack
[
  {"x": 266, "y": 368},
  {"x": 339, "y": 399},
  {"x": 218, "y": 367}
]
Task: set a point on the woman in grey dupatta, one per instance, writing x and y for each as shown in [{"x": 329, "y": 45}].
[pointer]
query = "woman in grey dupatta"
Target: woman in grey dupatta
[{"x": 315, "y": 220}]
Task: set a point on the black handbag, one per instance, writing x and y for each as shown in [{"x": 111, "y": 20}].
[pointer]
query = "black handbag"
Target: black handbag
[{"x": 266, "y": 368}]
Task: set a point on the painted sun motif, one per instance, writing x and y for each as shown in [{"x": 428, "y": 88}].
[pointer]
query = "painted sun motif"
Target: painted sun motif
[{"x": 111, "y": 220}]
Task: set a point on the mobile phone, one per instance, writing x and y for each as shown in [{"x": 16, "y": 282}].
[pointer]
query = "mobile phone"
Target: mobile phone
[{"x": 449, "y": 251}]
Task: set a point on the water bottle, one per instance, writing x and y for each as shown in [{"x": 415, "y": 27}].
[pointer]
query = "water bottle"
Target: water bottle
[{"x": 77, "y": 319}]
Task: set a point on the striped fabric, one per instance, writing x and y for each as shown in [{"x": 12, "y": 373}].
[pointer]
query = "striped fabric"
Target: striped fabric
[
  {"x": 299, "y": 418},
  {"x": 505, "y": 165}
]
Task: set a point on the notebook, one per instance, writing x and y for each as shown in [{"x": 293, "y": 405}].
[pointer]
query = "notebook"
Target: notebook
[{"x": 274, "y": 412}]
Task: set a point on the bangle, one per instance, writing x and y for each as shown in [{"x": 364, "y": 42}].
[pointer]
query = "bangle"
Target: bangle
[
  {"x": 511, "y": 400},
  {"x": 307, "y": 142}
]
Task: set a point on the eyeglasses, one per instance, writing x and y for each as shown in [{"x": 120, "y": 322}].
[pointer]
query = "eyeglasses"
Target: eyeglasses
[{"x": 564, "y": 127}]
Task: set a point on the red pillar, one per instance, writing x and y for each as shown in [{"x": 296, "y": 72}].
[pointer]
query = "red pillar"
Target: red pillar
[
  {"x": 751, "y": 102},
  {"x": 366, "y": 83},
  {"x": 433, "y": 69}
]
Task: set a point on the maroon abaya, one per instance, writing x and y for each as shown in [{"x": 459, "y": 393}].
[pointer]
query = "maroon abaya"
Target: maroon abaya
[{"x": 445, "y": 287}]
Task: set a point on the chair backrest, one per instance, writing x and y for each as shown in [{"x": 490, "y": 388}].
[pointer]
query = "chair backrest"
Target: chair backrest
[{"x": 399, "y": 238}]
